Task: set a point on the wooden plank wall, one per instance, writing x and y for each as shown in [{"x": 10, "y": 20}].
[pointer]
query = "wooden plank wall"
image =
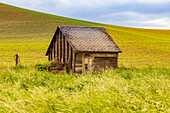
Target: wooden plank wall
[
  {"x": 53, "y": 50},
  {"x": 78, "y": 63},
  {"x": 66, "y": 57},
  {"x": 60, "y": 47},
  {"x": 63, "y": 48},
  {"x": 73, "y": 61},
  {"x": 67, "y": 51},
  {"x": 70, "y": 57},
  {"x": 55, "y": 45},
  {"x": 62, "y": 51},
  {"x": 104, "y": 61},
  {"x": 100, "y": 61},
  {"x": 49, "y": 56},
  {"x": 57, "y": 42}
]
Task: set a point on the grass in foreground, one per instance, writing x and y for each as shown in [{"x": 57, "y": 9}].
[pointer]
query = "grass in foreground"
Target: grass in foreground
[{"x": 25, "y": 89}]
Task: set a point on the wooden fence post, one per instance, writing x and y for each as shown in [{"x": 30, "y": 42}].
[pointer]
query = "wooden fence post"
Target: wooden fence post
[{"x": 16, "y": 59}]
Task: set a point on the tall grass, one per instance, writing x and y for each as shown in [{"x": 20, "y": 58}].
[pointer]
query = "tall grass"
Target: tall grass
[{"x": 25, "y": 89}]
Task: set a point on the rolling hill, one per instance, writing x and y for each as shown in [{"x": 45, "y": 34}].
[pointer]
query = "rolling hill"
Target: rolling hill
[
  {"x": 141, "y": 84},
  {"x": 28, "y": 33}
]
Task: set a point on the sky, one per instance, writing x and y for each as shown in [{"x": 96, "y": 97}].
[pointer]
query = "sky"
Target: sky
[{"x": 151, "y": 14}]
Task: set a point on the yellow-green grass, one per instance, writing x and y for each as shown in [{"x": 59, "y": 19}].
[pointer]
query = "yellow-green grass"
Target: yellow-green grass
[
  {"x": 142, "y": 49},
  {"x": 25, "y": 89},
  {"x": 28, "y": 33}
]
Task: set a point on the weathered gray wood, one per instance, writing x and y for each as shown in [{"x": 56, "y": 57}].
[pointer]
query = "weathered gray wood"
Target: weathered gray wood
[
  {"x": 78, "y": 65},
  {"x": 78, "y": 62},
  {"x": 78, "y": 59},
  {"x": 57, "y": 40},
  {"x": 70, "y": 58},
  {"x": 105, "y": 63},
  {"x": 66, "y": 57},
  {"x": 83, "y": 67},
  {"x": 55, "y": 45},
  {"x": 61, "y": 40},
  {"x": 59, "y": 47},
  {"x": 68, "y": 53},
  {"x": 73, "y": 61},
  {"x": 63, "y": 48},
  {"x": 54, "y": 49},
  {"x": 105, "y": 54},
  {"x": 116, "y": 62},
  {"x": 78, "y": 69},
  {"x": 49, "y": 56}
]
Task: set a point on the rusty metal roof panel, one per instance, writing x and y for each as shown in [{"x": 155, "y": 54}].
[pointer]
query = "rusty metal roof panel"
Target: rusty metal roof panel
[{"x": 89, "y": 39}]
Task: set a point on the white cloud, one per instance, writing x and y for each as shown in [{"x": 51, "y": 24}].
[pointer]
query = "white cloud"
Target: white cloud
[
  {"x": 163, "y": 22},
  {"x": 135, "y": 19},
  {"x": 84, "y": 3},
  {"x": 153, "y": 1},
  {"x": 93, "y": 3}
]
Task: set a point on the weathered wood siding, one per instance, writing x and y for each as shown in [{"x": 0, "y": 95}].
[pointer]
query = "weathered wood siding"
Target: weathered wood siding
[
  {"x": 78, "y": 63},
  {"x": 104, "y": 61},
  {"x": 62, "y": 51},
  {"x": 100, "y": 61}
]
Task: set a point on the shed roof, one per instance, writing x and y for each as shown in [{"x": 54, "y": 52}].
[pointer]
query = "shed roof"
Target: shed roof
[{"x": 89, "y": 39}]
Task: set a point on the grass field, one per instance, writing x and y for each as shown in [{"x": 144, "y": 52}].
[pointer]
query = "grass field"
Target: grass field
[
  {"x": 29, "y": 33},
  {"x": 141, "y": 84},
  {"x": 123, "y": 90}
]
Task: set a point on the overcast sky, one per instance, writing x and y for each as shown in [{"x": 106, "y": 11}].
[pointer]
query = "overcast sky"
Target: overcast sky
[{"x": 130, "y": 13}]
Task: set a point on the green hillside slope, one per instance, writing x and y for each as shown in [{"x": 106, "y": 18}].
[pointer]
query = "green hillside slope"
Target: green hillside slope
[
  {"x": 28, "y": 33},
  {"x": 18, "y": 22}
]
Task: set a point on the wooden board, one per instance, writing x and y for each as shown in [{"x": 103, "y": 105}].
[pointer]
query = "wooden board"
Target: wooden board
[
  {"x": 59, "y": 47},
  {"x": 78, "y": 59},
  {"x": 78, "y": 63},
  {"x": 73, "y": 61},
  {"x": 78, "y": 69},
  {"x": 105, "y": 54},
  {"x": 63, "y": 48},
  {"x": 70, "y": 57},
  {"x": 104, "y": 63},
  {"x": 61, "y": 40},
  {"x": 66, "y": 59}
]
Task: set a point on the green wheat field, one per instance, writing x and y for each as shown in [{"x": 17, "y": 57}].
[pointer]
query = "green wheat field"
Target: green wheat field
[{"x": 141, "y": 84}]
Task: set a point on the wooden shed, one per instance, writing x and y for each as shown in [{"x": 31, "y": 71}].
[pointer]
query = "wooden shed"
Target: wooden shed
[{"x": 85, "y": 49}]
